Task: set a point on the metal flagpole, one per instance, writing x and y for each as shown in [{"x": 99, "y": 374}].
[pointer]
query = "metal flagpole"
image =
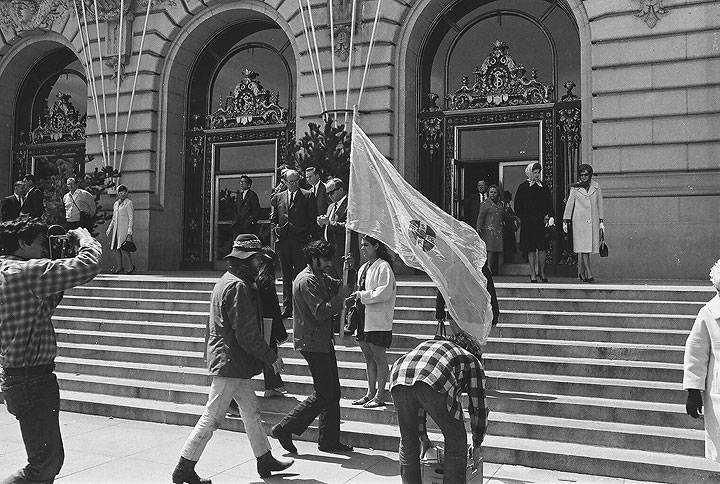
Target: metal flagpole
[
  {"x": 102, "y": 79},
  {"x": 117, "y": 84},
  {"x": 132, "y": 93},
  {"x": 332, "y": 57},
  {"x": 370, "y": 48},
  {"x": 317, "y": 55},
  {"x": 352, "y": 39},
  {"x": 312, "y": 61},
  {"x": 348, "y": 238}
]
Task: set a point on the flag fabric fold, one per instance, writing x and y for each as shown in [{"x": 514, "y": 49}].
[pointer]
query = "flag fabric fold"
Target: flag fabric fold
[{"x": 385, "y": 206}]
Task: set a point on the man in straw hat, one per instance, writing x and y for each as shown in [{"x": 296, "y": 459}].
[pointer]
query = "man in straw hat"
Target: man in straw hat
[{"x": 236, "y": 351}]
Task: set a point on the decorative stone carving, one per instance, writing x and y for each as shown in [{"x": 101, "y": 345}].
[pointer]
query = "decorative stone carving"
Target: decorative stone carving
[
  {"x": 18, "y": 16},
  {"x": 431, "y": 125},
  {"x": 499, "y": 81},
  {"x": 62, "y": 123},
  {"x": 342, "y": 18},
  {"x": 250, "y": 104},
  {"x": 651, "y": 11}
]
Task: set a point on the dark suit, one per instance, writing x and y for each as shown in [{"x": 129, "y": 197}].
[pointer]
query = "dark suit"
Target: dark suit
[
  {"x": 33, "y": 204},
  {"x": 294, "y": 227},
  {"x": 335, "y": 234},
  {"x": 9, "y": 208},
  {"x": 471, "y": 208},
  {"x": 247, "y": 212},
  {"x": 322, "y": 199}
]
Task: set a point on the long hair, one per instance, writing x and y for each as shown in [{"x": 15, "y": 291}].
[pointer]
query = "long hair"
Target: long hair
[{"x": 382, "y": 251}]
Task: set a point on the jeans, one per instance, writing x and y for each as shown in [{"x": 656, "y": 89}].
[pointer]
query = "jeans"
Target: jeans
[
  {"x": 35, "y": 403},
  {"x": 222, "y": 390},
  {"x": 408, "y": 401},
  {"x": 325, "y": 401}
]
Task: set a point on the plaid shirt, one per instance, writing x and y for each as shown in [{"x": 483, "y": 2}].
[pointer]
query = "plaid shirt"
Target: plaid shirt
[
  {"x": 29, "y": 292},
  {"x": 449, "y": 369}
]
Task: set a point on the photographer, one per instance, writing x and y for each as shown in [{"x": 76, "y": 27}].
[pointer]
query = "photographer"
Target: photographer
[{"x": 31, "y": 286}]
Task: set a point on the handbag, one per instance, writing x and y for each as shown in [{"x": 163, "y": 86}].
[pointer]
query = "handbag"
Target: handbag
[
  {"x": 603, "y": 245},
  {"x": 356, "y": 312},
  {"x": 128, "y": 246}
]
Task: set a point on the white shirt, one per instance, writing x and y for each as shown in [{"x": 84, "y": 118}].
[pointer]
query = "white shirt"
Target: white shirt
[
  {"x": 315, "y": 188},
  {"x": 82, "y": 201}
]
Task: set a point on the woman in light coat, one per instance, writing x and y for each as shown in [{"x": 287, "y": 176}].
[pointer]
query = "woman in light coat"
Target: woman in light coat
[
  {"x": 490, "y": 221},
  {"x": 702, "y": 362},
  {"x": 121, "y": 229},
  {"x": 584, "y": 209},
  {"x": 376, "y": 291}
]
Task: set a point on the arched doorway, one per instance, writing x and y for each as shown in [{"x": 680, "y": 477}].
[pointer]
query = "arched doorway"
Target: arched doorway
[
  {"x": 239, "y": 122},
  {"x": 497, "y": 90},
  {"x": 49, "y": 134}
]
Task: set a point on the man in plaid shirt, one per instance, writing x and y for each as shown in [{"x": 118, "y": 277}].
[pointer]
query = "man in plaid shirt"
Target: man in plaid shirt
[
  {"x": 31, "y": 286},
  {"x": 430, "y": 379}
]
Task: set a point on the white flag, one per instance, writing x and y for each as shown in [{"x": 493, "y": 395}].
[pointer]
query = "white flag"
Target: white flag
[{"x": 383, "y": 205}]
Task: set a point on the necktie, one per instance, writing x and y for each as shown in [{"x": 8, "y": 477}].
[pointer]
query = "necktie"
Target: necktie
[
  {"x": 331, "y": 218},
  {"x": 292, "y": 197}
]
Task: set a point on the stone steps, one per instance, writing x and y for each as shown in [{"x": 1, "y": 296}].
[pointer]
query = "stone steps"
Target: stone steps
[
  {"x": 569, "y": 365},
  {"x": 564, "y": 456}
]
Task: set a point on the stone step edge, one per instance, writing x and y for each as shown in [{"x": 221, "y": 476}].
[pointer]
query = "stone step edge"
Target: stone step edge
[
  {"x": 538, "y": 420},
  {"x": 570, "y": 379},
  {"x": 619, "y": 456},
  {"x": 361, "y": 365},
  {"x": 559, "y": 399},
  {"x": 114, "y": 334}
]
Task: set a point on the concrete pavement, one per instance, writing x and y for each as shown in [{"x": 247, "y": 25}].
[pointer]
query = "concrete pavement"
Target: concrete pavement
[{"x": 100, "y": 450}]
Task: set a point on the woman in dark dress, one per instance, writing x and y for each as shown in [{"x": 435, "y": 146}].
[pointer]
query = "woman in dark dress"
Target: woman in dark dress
[{"x": 534, "y": 208}]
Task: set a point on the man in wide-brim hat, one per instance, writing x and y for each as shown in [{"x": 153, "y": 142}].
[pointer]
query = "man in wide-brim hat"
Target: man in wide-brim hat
[{"x": 236, "y": 351}]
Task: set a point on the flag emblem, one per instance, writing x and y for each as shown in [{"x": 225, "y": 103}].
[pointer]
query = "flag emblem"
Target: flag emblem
[{"x": 423, "y": 235}]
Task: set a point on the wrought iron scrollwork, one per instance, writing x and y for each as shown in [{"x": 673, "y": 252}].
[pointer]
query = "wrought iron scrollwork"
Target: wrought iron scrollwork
[
  {"x": 62, "y": 123},
  {"x": 250, "y": 104},
  {"x": 431, "y": 125},
  {"x": 500, "y": 81}
]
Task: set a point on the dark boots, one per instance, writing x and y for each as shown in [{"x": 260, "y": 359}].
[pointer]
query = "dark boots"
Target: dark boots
[
  {"x": 266, "y": 464},
  {"x": 184, "y": 473}
]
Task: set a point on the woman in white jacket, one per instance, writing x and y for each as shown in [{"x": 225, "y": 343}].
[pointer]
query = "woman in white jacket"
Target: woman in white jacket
[
  {"x": 702, "y": 362},
  {"x": 376, "y": 291},
  {"x": 121, "y": 229}
]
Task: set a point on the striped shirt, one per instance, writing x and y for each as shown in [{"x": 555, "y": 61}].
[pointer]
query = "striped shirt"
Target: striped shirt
[
  {"x": 449, "y": 369},
  {"x": 29, "y": 292}
]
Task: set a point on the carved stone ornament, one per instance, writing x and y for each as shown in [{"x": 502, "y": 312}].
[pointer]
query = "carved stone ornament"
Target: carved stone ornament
[
  {"x": 342, "y": 18},
  {"x": 108, "y": 10},
  {"x": 431, "y": 125},
  {"x": 250, "y": 104},
  {"x": 499, "y": 81},
  {"x": 651, "y": 11},
  {"x": 18, "y": 16},
  {"x": 342, "y": 42},
  {"x": 62, "y": 123}
]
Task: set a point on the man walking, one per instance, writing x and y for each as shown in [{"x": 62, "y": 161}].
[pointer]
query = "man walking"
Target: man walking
[
  {"x": 33, "y": 205},
  {"x": 236, "y": 351},
  {"x": 293, "y": 219},
  {"x": 10, "y": 206},
  {"x": 79, "y": 206},
  {"x": 316, "y": 298},
  {"x": 247, "y": 208},
  {"x": 31, "y": 286}
]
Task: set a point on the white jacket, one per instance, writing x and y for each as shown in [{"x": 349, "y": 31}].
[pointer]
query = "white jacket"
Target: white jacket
[
  {"x": 379, "y": 296},
  {"x": 702, "y": 362}
]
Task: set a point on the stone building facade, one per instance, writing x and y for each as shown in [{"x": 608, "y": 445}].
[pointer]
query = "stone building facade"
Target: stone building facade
[{"x": 644, "y": 112}]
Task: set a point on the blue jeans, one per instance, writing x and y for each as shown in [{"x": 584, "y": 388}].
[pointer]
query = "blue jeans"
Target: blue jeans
[
  {"x": 408, "y": 401},
  {"x": 35, "y": 403}
]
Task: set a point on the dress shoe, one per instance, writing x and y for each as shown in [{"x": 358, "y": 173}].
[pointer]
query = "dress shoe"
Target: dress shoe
[
  {"x": 266, "y": 464},
  {"x": 275, "y": 392},
  {"x": 336, "y": 447},
  {"x": 284, "y": 437},
  {"x": 184, "y": 473}
]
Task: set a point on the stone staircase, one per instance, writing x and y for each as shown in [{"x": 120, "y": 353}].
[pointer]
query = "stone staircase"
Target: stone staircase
[{"x": 581, "y": 378}]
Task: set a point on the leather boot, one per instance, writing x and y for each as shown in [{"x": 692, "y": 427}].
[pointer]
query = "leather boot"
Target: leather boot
[
  {"x": 184, "y": 473},
  {"x": 266, "y": 464}
]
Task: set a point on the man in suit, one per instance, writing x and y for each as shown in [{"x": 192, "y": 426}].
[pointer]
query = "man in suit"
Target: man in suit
[
  {"x": 33, "y": 205},
  {"x": 293, "y": 219},
  {"x": 332, "y": 225},
  {"x": 247, "y": 208},
  {"x": 10, "y": 206},
  {"x": 471, "y": 205},
  {"x": 318, "y": 189}
]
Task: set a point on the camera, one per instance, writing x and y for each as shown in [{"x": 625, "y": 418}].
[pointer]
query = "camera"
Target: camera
[{"x": 61, "y": 244}]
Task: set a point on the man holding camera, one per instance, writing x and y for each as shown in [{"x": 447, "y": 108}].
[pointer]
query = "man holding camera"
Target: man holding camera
[{"x": 31, "y": 286}]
